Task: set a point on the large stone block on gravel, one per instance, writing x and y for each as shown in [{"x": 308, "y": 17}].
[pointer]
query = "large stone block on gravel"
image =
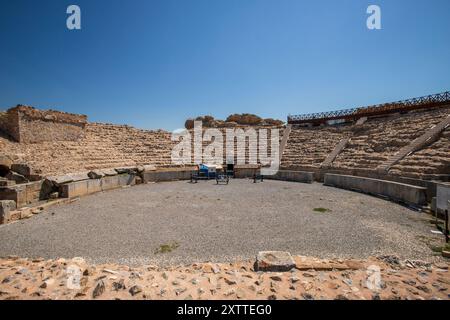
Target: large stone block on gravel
[
  {"x": 121, "y": 180},
  {"x": 166, "y": 175},
  {"x": 274, "y": 261},
  {"x": 80, "y": 188},
  {"x": 6, "y": 206},
  {"x": 290, "y": 175}
]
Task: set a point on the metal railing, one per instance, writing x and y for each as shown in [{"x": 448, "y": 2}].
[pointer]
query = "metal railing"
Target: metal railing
[{"x": 409, "y": 104}]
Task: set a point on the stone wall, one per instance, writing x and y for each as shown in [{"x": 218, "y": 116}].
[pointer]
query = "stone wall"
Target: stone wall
[
  {"x": 29, "y": 125},
  {"x": 9, "y": 124},
  {"x": 401, "y": 192}
]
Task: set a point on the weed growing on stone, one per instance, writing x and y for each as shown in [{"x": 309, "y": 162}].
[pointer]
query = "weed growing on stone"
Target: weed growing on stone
[{"x": 321, "y": 210}]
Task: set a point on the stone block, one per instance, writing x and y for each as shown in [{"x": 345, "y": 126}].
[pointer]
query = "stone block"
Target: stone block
[
  {"x": 79, "y": 176},
  {"x": 59, "y": 180},
  {"x": 16, "y": 193},
  {"x": 277, "y": 261},
  {"x": 73, "y": 189},
  {"x": 109, "y": 172},
  {"x": 22, "y": 169},
  {"x": 113, "y": 182},
  {"x": 129, "y": 170},
  {"x": 80, "y": 188},
  {"x": 6, "y": 206},
  {"x": 84, "y": 187},
  {"x": 169, "y": 175},
  {"x": 146, "y": 168},
  {"x": 309, "y": 263},
  {"x": 290, "y": 175},
  {"x": 5, "y": 162},
  {"x": 6, "y": 183},
  {"x": 16, "y": 177}
]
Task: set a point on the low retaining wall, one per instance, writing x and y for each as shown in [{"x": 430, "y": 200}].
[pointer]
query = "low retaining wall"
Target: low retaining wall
[
  {"x": 401, "y": 192},
  {"x": 319, "y": 176},
  {"x": 169, "y": 175},
  {"x": 246, "y": 171},
  {"x": 290, "y": 175},
  {"x": 85, "y": 187},
  {"x": 23, "y": 194}
]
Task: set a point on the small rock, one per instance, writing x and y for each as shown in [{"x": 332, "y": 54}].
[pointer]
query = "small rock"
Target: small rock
[
  {"x": 423, "y": 288},
  {"x": 119, "y": 285},
  {"x": 240, "y": 294},
  {"x": 409, "y": 282},
  {"x": 229, "y": 281},
  {"x": 307, "y": 296},
  {"x": 440, "y": 265},
  {"x": 294, "y": 279},
  {"x": 276, "y": 278},
  {"x": 179, "y": 291},
  {"x": 274, "y": 261},
  {"x": 134, "y": 290},
  {"x": 229, "y": 292},
  {"x": 110, "y": 271},
  {"x": 99, "y": 289},
  {"x": 348, "y": 282}
]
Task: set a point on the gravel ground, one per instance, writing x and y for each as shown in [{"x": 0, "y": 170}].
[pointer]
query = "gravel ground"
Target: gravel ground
[{"x": 220, "y": 223}]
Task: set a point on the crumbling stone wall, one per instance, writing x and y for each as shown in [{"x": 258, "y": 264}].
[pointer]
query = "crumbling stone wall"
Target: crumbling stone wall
[
  {"x": 9, "y": 124},
  {"x": 29, "y": 125}
]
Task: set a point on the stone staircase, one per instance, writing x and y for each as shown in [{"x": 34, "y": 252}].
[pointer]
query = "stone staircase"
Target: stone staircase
[
  {"x": 419, "y": 143},
  {"x": 309, "y": 147},
  {"x": 340, "y": 146},
  {"x": 431, "y": 161},
  {"x": 284, "y": 140}
]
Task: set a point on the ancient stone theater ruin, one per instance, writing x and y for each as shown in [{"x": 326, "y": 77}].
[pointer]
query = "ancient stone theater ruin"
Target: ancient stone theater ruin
[{"x": 94, "y": 210}]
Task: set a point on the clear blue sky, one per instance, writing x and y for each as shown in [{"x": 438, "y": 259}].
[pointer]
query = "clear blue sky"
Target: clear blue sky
[{"x": 152, "y": 64}]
